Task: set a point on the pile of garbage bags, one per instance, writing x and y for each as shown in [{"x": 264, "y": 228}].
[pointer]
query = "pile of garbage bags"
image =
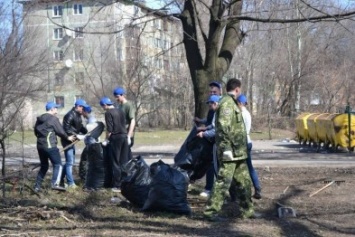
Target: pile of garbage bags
[{"x": 159, "y": 187}]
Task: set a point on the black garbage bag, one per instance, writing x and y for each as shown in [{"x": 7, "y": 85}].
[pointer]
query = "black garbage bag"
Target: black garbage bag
[
  {"x": 95, "y": 176},
  {"x": 183, "y": 158},
  {"x": 195, "y": 155},
  {"x": 201, "y": 153},
  {"x": 108, "y": 167},
  {"x": 83, "y": 164},
  {"x": 168, "y": 190},
  {"x": 135, "y": 184}
]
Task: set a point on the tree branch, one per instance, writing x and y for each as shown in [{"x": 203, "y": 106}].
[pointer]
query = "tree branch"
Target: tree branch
[{"x": 334, "y": 17}]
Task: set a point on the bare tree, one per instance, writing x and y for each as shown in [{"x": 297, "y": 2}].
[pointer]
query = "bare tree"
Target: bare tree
[
  {"x": 210, "y": 45},
  {"x": 21, "y": 63}
]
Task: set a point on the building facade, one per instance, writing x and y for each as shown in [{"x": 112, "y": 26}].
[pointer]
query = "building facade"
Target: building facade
[{"x": 94, "y": 46}]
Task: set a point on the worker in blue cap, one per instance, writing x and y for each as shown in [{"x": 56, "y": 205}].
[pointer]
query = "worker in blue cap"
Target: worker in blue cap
[
  {"x": 73, "y": 125},
  {"x": 46, "y": 129}
]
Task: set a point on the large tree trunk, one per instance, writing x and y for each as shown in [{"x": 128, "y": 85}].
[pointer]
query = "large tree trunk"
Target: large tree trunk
[{"x": 218, "y": 55}]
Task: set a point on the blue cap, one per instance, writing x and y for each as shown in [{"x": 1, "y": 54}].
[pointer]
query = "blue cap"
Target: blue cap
[
  {"x": 119, "y": 91},
  {"x": 105, "y": 101},
  {"x": 51, "y": 105},
  {"x": 213, "y": 99},
  {"x": 216, "y": 84},
  {"x": 81, "y": 102},
  {"x": 242, "y": 99},
  {"x": 87, "y": 109}
]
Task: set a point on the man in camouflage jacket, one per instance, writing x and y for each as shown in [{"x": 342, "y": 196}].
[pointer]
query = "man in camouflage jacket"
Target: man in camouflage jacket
[{"x": 231, "y": 141}]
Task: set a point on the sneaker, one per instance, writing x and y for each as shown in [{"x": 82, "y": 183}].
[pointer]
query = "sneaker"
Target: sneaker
[
  {"x": 72, "y": 187},
  {"x": 58, "y": 188},
  {"x": 37, "y": 190},
  {"x": 205, "y": 194},
  {"x": 116, "y": 190},
  {"x": 216, "y": 218},
  {"x": 257, "y": 194}
]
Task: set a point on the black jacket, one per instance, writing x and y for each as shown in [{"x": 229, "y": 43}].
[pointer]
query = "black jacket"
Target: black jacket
[
  {"x": 46, "y": 129},
  {"x": 73, "y": 124}
]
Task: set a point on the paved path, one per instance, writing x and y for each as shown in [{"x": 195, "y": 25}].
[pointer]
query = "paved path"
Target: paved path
[{"x": 265, "y": 153}]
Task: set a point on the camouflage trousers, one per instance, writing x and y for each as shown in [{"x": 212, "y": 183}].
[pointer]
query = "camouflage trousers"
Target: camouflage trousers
[{"x": 234, "y": 177}]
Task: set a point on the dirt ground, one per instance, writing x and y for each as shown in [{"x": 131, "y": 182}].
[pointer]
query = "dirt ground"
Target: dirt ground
[{"x": 331, "y": 212}]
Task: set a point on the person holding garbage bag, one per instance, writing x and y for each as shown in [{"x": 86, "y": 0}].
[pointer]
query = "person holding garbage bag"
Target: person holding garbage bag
[
  {"x": 231, "y": 142},
  {"x": 46, "y": 129},
  {"x": 208, "y": 131},
  {"x": 72, "y": 124},
  {"x": 116, "y": 137}
]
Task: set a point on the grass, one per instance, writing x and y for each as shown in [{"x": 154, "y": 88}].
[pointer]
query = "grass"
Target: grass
[
  {"x": 157, "y": 137},
  {"x": 161, "y": 137}
]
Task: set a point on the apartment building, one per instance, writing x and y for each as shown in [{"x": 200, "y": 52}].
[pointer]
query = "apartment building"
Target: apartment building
[{"x": 93, "y": 46}]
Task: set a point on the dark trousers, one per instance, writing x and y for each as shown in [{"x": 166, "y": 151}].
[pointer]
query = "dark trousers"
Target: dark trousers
[
  {"x": 118, "y": 155},
  {"x": 209, "y": 178},
  {"x": 46, "y": 154}
]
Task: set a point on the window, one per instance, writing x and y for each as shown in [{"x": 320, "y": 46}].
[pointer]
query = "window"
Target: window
[
  {"x": 166, "y": 65},
  {"x": 132, "y": 32},
  {"x": 58, "y": 33},
  {"x": 167, "y": 44},
  {"x": 158, "y": 63},
  {"x": 57, "y": 11},
  {"x": 157, "y": 43},
  {"x": 59, "y": 80},
  {"x": 120, "y": 31},
  {"x": 59, "y": 100},
  {"x": 78, "y": 9},
  {"x": 157, "y": 23},
  {"x": 79, "y": 78},
  {"x": 58, "y": 55},
  {"x": 120, "y": 56},
  {"x": 78, "y": 97},
  {"x": 166, "y": 25},
  {"x": 78, "y": 54},
  {"x": 136, "y": 10},
  {"x": 79, "y": 32}
]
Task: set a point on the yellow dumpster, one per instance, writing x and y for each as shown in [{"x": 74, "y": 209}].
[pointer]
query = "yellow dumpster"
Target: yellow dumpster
[
  {"x": 341, "y": 130},
  {"x": 321, "y": 128},
  {"x": 312, "y": 131},
  {"x": 302, "y": 128},
  {"x": 329, "y": 127}
]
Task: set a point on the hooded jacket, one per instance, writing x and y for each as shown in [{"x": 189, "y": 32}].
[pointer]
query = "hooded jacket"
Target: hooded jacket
[{"x": 46, "y": 129}]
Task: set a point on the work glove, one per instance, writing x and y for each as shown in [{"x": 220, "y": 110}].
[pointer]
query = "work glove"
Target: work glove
[
  {"x": 71, "y": 138},
  {"x": 129, "y": 140},
  {"x": 105, "y": 143},
  {"x": 80, "y": 137},
  {"x": 227, "y": 156}
]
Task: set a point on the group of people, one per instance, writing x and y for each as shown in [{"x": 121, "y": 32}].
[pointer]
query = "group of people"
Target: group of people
[
  {"x": 119, "y": 138},
  {"x": 227, "y": 126}
]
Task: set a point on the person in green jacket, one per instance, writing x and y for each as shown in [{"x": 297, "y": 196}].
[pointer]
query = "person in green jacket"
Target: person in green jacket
[{"x": 231, "y": 141}]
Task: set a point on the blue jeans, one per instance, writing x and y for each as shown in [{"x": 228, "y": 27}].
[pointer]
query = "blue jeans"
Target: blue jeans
[
  {"x": 68, "y": 167},
  {"x": 252, "y": 171},
  {"x": 54, "y": 156}
]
